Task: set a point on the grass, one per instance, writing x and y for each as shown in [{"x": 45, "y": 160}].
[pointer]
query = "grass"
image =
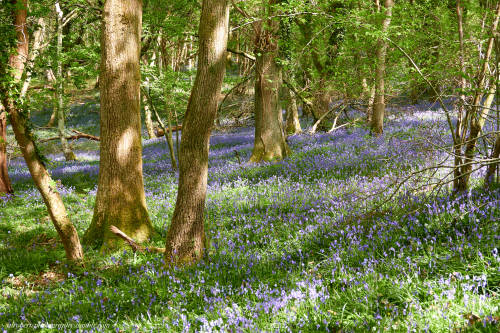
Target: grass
[{"x": 294, "y": 246}]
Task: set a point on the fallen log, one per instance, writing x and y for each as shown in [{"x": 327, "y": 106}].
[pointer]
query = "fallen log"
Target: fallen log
[
  {"x": 160, "y": 132},
  {"x": 78, "y": 135},
  {"x": 135, "y": 247}
]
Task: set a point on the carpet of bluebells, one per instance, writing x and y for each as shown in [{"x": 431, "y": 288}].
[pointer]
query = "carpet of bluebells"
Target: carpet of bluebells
[{"x": 322, "y": 241}]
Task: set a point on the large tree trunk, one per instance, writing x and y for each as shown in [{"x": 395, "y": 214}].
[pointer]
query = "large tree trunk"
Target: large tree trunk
[
  {"x": 377, "y": 124},
  {"x": 120, "y": 194},
  {"x": 269, "y": 141},
  {"x": 185, "y": 241},
  {"x": 61, "y": 128},
  {"x": 5, "y": 185},
  {"x": 19, "y": 121}
]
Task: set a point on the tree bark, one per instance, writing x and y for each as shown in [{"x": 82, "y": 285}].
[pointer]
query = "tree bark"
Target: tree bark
[
  {"x": 59, "y": 94},
  {"x": 120, "y": 194},
  {"x": 377, "y": 124},
  {"x": 38, "y": 38},
  {"x": 185, "y": 242},
  {"x": 5, "y": 184},
  {"x": 292, "y": 114},
  {"x": 19, "y": 121},
  {"x": 269, "y": 141},
  {"x": 148, "y": 120}
]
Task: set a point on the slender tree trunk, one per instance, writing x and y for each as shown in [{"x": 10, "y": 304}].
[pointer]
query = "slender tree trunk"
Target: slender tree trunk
[
  {"x": 490, "y": 172},
  {"x": 19, "y": 121},
  {"x": 377, "y": 124},
  {"x": 476, "y": 127},
  {"x": 371, "y": 100},
  {"x": 292, "y": 114},
  {"x": 169, "y": 135},
  {"x": 478, "y": 112},
  {"x": 120, "y": 198},
  {"x": 53, "y": 116},
  {"x": 166, "y": 132},
  {"x": 185, "y": 241},
  {"x": 460, "y": 121},
  {"x": 68, "y": 153},
  {"x": 148, "y": 119},
  {"x": 269, "y": 141},
  {"x": 5, "y": 185},
  {"x": 38, "y": 38}
]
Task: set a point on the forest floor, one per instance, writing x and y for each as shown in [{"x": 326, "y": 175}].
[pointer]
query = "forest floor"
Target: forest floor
[{"x": 317, "y": 242}]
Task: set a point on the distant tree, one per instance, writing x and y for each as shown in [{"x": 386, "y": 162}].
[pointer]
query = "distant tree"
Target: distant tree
[
  {"x": 185, "y": 242},
  {"x": 269, "y": 142},
  {"x": 120, "y": 198},
  {"x": 59, "y": 107},
  {"x": 13, "y": 58},
  {"x": 377, "y": 124}
]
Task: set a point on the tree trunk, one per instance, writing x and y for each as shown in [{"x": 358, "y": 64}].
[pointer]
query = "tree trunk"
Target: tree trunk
[
  {"x": 476, "y": 128},
  {"x": 185, "y": 241},
  {"x": 38, "y": 38},
  {"x": 377, "y": 124},
  {"x": 19, "y": 121},
  {"x": 292, "y": 114},
  {"x": 460, "y": 116},
  {"x": 53, "y": 116},
  {"x": 5, "y": 185},
  {"x": 68, "y": 153},
  {"x": 148, "y": 119},
  {"x": 120, "y": 197},
  {"x": 164, "y": 131},
  {"x": 371, "y": 100},
  {"x": 269, "y": 141},
  {"x": 495, "y": 154},
  {"x": 321, "y": 104},
  {"x": 477, "y": 113}
]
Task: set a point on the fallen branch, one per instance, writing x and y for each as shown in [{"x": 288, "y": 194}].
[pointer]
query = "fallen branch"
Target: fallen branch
[
  {"x": 161, "y": 132},
  {"x": 135, "y": 247},
  {"x": 78, "y": 135},
  {"x": 241, "y": 53},
  {"x": 345, "y": 124},
  {"x": 312, "y": 130}
]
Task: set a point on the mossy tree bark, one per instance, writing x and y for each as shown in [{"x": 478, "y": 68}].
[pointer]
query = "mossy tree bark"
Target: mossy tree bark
[
  {"x": 269, "y": 141},
  {"x": 377, "y": 121},
  {"x": 120, "y": 197},
  {"x": 24, "y": 138},
  {"x": 185, "y": 242}
]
